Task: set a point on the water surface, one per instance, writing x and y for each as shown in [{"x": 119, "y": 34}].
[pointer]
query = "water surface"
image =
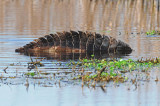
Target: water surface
[{"x": 22, "y": 21}]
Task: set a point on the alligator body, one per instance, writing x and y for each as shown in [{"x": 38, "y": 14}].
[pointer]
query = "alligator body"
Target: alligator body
[{"x": 76, "y": 42}]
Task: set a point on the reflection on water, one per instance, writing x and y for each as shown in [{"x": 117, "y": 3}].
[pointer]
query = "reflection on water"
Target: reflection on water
[
  {"x": 121, "y": 19},
  {"x": 75, "y": 56},
  {"x": 21, "y": 21}
]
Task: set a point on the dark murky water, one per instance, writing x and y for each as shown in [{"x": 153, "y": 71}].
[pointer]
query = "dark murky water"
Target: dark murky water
[{"x": 21, "y": 21}]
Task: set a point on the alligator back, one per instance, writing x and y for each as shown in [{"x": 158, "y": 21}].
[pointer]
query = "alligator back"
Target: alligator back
[{"x": 76, "y": 42}]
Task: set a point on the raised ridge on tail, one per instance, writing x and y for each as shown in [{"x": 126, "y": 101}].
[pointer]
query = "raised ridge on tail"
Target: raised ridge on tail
[{"x": 78, "y": 42}]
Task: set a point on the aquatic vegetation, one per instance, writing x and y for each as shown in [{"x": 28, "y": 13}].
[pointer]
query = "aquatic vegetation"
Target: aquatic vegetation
[
  {"x": 33, "y": 65},
  {"x": 152, "y": 60},
  {"x": 112, "y": 70},
  {"x": 153, "y": 32},
  {"x": 36, "y": 63},
  {"x": 30, "y": 74},
  {"x": 92, "y": 72}
]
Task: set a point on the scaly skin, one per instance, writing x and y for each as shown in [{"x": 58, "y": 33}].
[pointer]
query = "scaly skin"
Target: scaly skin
[{"x": 76, "y": 42}]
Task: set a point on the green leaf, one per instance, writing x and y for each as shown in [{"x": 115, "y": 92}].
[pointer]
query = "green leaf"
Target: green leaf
[
  {"x": 32, "y": 74},
  {"x": 92, "y": 55}
]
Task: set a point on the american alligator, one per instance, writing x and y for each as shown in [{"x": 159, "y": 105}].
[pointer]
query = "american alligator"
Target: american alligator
[{"x": 76, "y": 42}]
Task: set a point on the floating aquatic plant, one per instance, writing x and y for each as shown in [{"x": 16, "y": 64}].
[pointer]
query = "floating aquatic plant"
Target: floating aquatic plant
[
  {"x": 106, "y": 70},
  {"x": 30, "y": 74},
  {"x": 153, "y": 32}
]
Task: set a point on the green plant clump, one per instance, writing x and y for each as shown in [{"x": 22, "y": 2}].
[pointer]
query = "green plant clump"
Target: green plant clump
[
  {"x": 113, "y": 69},
  {"x": 153, "y": 32},
  {"x": 30, "y": 74}
]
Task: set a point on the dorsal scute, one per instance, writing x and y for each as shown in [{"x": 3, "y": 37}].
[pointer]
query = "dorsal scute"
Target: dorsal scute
[
  {"x": 76, "y": 39},
  {"x": 83, "y": 39},
  {"x": 83, "y": 35},
  {"x": 75, "y": 35},
  {"x": 98, "y": 41},
  {"x": 80, "y": 33},
  {"x": 105, "y": 43},
  {"x": 50, "y": 40},
  {"x": 29, "y": 46},
  {"x": 56, "y": 39},
  {"x": 68, "y": 35},
  {"x": 43, "y": 41},
  {"x": 69, "y": 39},
  {"x": 90, "y": 41},
  {"x": 61, "y": 35},
  {"x": 62, "y": 39},
  {"x": 33, "y": 44}
]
